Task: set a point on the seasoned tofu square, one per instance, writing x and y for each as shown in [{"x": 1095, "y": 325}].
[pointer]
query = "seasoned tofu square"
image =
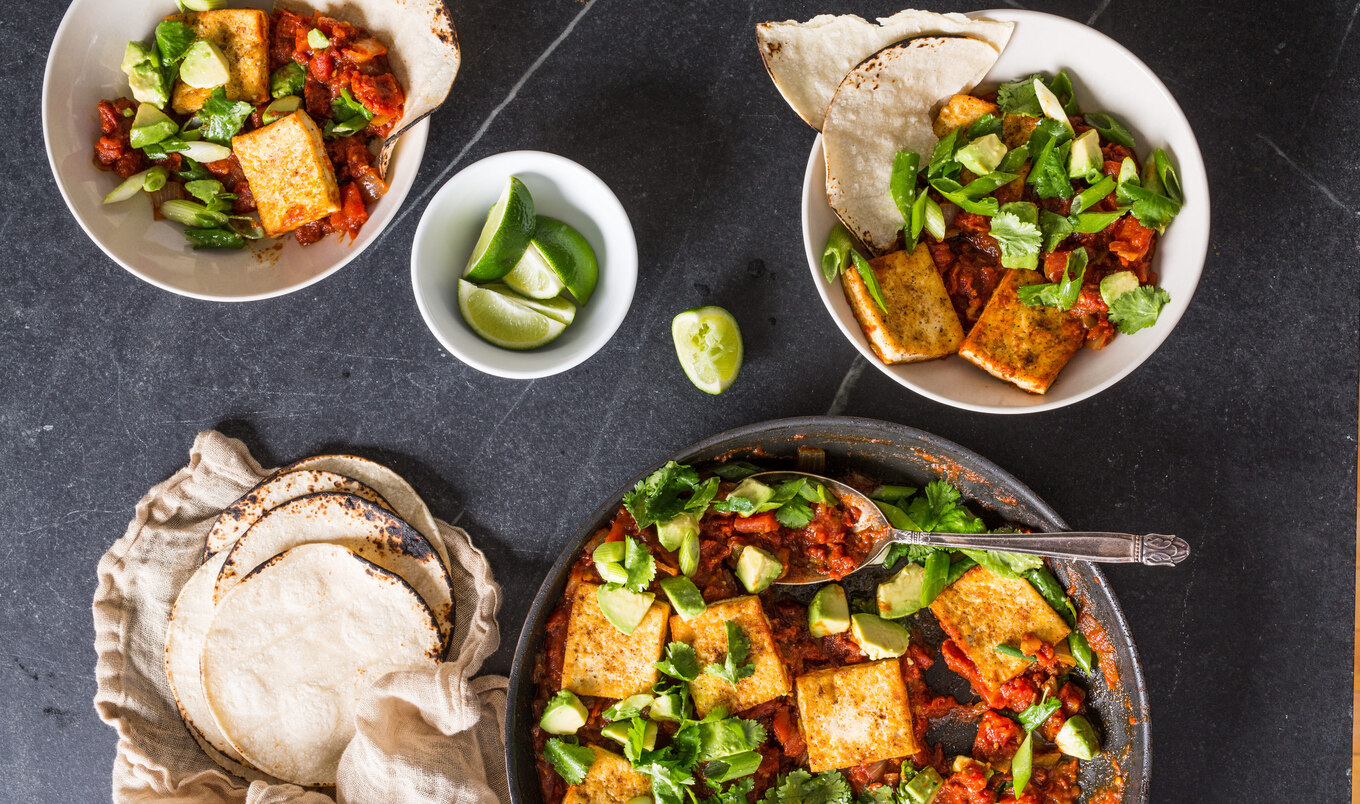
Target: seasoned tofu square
[
  {"x": 961, "y": 110},
  {"x": 707, "y": 634},
  {"x": 600, "y": 659},
  {"x": 1016, "y": 128},
  {"x": 1020, "y": 344},
  {"x": 242, "y": 34},
  {"x": 982, "y": 610},
  {"x": 855, "y": 714},
  {"x": 920, "y": 322},
  {"x": 289, "y": 172},
  {"x": 610, "y": 780}
]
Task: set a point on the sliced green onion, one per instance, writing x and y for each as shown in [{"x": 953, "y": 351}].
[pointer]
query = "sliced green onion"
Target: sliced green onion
[
  {"x": 934, "y": 219},
  {"x": 887, "y": 493},
  {"x": 866, "y": 273},
  {"x": 214, "y": 238},
  {"x": 837, "y": 249},
  {"x": 1093, "y": 195},
  {"x": 1022, "y": 765},
  {"x": 609, "y": 551},
  {"x": 918, "y": 217},
  {"x": 1167, "y": 174},
  {"x": 689, "y": 555},
  {"x": 1014, "y": 653},
  {"x": 1048, "y": 587},
  {"x": 1081, "y": 651},
  {"x": 1092, "y": 222},
  {"x": 937, "y": 572},
  {"x": 280, "y": 108},
  {"x": 201, "y": 5},
  {"x": 192, "y": 214},
  {"x": 1109, "y": 128},
  {"x": 317, "y": 40},
  {"x": 955, "y": 193},
  {"x": 902, "y": 183},
  {"x": 131, "y": 186},
  {"x": 958, "y": 568},
  {"x": 246, "y": 227},
  {"x": 612, "y": 571},
  {"x": 205, "y": 151},
  {"x": 154, "y": 178}
]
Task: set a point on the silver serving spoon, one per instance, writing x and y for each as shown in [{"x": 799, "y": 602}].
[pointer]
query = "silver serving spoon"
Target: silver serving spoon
[{"x": 1153, "y": 549}]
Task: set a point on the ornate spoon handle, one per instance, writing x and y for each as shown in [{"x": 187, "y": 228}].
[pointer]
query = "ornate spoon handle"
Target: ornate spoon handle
[{"x": 1153, "y": 549}]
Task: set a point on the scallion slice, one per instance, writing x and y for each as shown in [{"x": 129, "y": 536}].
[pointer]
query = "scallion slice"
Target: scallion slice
[
  {"x": 193, "y": 214},
  {"x": 204, "y": 151}
]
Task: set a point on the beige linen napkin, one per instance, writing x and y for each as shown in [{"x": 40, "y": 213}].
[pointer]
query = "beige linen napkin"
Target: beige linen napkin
[{"x": 428, "y": 736}]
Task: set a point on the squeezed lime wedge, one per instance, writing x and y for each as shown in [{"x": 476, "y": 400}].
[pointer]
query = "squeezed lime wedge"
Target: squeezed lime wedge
[
  {"x": 505, "y": 235},
  {"x": 500, "y": 318},
  {"x": 708, "y": 343}
]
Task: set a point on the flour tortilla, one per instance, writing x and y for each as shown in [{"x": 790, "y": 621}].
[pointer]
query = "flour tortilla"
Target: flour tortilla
[
  {"x": 393, "y": 487},
  {"x": 277, "y": 489},
  {"x": 292, "y": 649},
  {"x": 350, "y": 522},
  {"x": 188, "y": 629},
  {"x": 885, "y": 105},
  {"x": 422, "y": 50},
  {"x": 808, "y": 60}
]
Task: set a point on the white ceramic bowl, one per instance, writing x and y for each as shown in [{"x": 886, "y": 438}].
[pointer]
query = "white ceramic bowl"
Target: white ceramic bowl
[
  {"x": 83, "y": 69},
  {"x": 1107, "y": 78},
  {"x": 561, "y": 189}
]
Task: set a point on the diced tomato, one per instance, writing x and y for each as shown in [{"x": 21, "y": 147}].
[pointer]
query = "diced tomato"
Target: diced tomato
[
  {"x": 998, "y": 738},
  {"x": 1055, "y": 264},
  {"x": 1132, "y": 241},
  {"x": 1072, "y": 698},
  {"x": 756, "y": 523},
  {"x": 1020, "y": 693}
]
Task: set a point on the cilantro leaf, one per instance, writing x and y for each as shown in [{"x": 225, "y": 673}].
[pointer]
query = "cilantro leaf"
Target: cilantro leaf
[
  {"x": 680, "y": 662},
  {"x": 638, "y": 561},
  {"x": 668, "y": 779},
  {"x": 1109, "y": 128},
  {"x": 172, "y": 39},
  {"x": 733, "y": 735},
  {"x": 987, "y": 124},
  {"x": 794, "y": 514},
  {"x": 734, "y": 666},
  {"x": 348, "y": 116},
  {"x": 1019, "y": 239},
  {"x": 735, "y": 793},
  {"x": 223, "y": 118},
  {"x": 732, "y": 767},
  {"x": 1138, "y": 308},
  {"x": 657, "y": 498},
  {"x": 801, "y": 787},
  {"x": 1062, "y": 294},
  {"x": 737, "y": 470},
  {"x": 1152, "y": 209},
  {"x": 1018, "y": 97},
  {"x": 1034, "y": 715},
  {"x": 1055, "y": 229},
  {"x": 637, "y": 735},
  {"x": 1049, "y": 173},
  {"x": 570, "y": 760}
]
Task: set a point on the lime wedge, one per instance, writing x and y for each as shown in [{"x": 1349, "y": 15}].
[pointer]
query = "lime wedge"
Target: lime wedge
[
  {"x": 533, "y": 277},
  {"x": 506, "y": 233},
  {"x": 558, "y": 309},
  {"x": 569, "y": 254},
  {"x": 204, "y": 66},
  {"x": 500, "y": 319},
  {"x": 708, "y": 343}
]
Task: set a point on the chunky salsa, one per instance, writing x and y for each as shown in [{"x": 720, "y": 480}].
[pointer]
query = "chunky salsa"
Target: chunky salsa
[
  {"x": 709, "y": 683},
  {"x": 309, "y": 177}
]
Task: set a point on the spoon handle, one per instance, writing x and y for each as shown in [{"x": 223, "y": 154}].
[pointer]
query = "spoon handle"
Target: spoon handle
[{"x": 1153, "y": 549}]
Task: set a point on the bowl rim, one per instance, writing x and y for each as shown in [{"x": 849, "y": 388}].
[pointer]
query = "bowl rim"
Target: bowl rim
[
  {"x": 1193, "y": 266},
  {"x": 411, "y": 144},
  {"x": 521, "y": 669},
  {"x": 624, "y": 270}
]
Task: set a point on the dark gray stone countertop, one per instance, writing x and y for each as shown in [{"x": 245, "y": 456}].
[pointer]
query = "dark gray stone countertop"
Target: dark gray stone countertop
[{"x": 1239, "y": 433}]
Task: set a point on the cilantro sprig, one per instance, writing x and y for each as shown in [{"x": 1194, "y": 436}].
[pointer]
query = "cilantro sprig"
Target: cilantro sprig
[
  {"x": 734, "y": 666},
  {"x": 570, "y": 759},
  {"x": 1063, "y": 294},
  {"x": 672, "y": 490},
  {"x": 680, "y": 662}
]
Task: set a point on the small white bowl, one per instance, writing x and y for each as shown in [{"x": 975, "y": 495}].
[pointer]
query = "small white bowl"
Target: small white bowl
[
  {"x": 82, "y": 69},
  {"x": 561, "y": 189},
  {"x": 1107, "y": 78}
]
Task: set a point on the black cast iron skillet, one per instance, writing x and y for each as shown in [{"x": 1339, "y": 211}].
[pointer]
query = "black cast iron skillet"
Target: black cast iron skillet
[{"x": 896, "y": 454}]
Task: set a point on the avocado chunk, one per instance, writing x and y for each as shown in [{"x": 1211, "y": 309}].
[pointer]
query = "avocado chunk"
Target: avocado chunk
[
  {"x": 757, "y": 569},
  {"x": 1077, "y": 738},
  {"x": 618, "y": 732},
  {"x": 829, "y": 613},
  {"x": 755, "y": 491},
  {"x": 689, "y": 555},
  {"x": 670, "y": 706},
  {"x": 150, "y": 126},
  {"x": 564, "y": 714},
  {"x": 280, "y": 108},
  {"x": 143, "y": 69},
  {"x": 922, "y": 787},
  {"x": 1086, "y": 157},
  {"x": 1117, "y": 284},
  {"x": 623, "y": 608},
  {"x": 204, "y": 66},
  {"x": 879, "y": 638},
  {"x": 684, "y": 596},
  {"x": 671, "y": 533},
  {"x": 900, "y": 595},
  {"x": 982, "y": 155}
]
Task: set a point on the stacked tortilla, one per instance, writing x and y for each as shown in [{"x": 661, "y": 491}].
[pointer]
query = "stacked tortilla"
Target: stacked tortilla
[{"x": 315, "y": 584}]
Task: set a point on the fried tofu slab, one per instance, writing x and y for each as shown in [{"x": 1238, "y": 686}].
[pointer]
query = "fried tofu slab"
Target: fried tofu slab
[
  {"x": 982, "y": 610},
  {"x": 961, "y": 110},
  {"x": 855, "y": 714},
  {"x": 920, "y": 322},
  {"x": 707, "y": 634},
  {"x": 242, "y": 34},
  {"x": 289, "y": 173},
  {"x": 610, "y": 780},
  {"x": 600, "y": 659},
  {"x": 1020, "y": 344}
]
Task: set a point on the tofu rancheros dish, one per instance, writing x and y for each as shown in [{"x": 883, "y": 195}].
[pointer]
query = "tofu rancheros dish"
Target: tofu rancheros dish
[
  {"x": 1005, "y": 224},
  {"x": 288, "y": 115},
  {"x": 674, "y": 671}
]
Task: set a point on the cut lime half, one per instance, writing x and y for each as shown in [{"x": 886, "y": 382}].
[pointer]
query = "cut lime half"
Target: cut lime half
[
  {"x": 569, "y": 254},
  {"x": 505, "y": 235},
  {"x": 499, "y": 318},
  {"x": 708, "y": 343},
  {"x": 533, "y": 277}
]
